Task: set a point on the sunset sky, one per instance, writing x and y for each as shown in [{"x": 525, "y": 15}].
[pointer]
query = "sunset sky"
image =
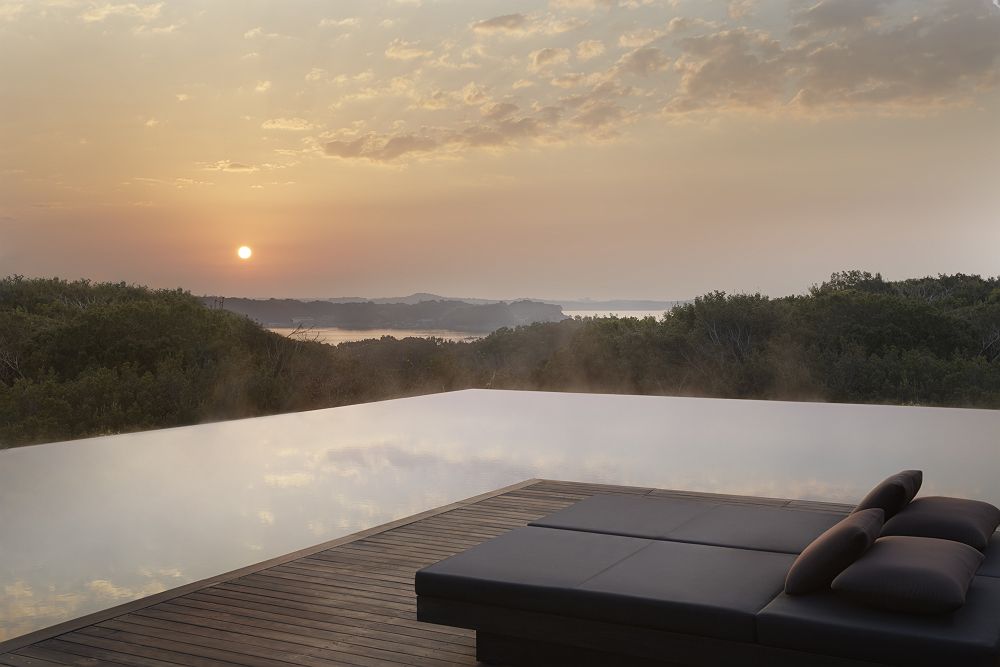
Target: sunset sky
[{"x": 570, "y": 148}]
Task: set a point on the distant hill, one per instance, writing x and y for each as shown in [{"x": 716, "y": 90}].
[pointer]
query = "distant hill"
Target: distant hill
[
  {"x": 430, "y": 314},
  {"x": 566, "y": 304}
]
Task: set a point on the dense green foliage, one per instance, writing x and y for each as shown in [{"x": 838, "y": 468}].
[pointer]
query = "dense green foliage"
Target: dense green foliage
[{"x": 80, "y": 359}]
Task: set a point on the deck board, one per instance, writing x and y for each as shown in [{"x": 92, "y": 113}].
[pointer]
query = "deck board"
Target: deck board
[{"x": 349, "y": 604}]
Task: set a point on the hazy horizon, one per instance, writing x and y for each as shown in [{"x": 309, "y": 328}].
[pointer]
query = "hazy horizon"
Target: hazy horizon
[{"x": 640, "y": 149}]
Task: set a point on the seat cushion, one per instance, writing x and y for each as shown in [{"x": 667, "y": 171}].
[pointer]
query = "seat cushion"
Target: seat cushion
[
  {"x": 755, "y": 527},
  {"x": 911, "y": 574},
  {"x": 971, "y": 522},
  {"x": 834, "y": 550},
  {"x": 634, "y": 516},
  {"x": 527, "y": 566},
  {"x": 991, "y": 562},
  {"x": 894, "y": 493},
  {"x": 686, "y": 588},
  {"x": 689, "y": 588},
  {"x": 830, "y": 624}
]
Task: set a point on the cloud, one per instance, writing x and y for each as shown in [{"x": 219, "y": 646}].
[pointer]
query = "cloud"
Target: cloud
[
  {"x": 380, "y": 148},
  {"x": 100, "y": 12},
  {"x": 405, "y": 144},
  {"x": 570, "y": 80},
  {"x": 505, "y": 23},
  {"x": 737, "y": 68},
  {"x": 523, "y": 25},
  {"x": 686, "y": 23},
  {"x": 499, "y": 111},
  {"x": 640, "y": 37},
  {"x": 288, "y": 480},
  {"x": 290, "y": 124},
  {"x": 741, "y": 9},
  {"x": 547, "y": 57},
  {"x": 400, "y": 49},
  {"x": 643, "y": 61},
  {"x": 502, "y": 125},
  {"x": 939, "y": 60},
  {"x": 254, "y": 33},
  {"x": 9, "y": 11},
  {"x": 589, "y": 49},
  {"x": 597, "y": 110},
  {"x": 583, "y": 4},
  {"x": 830, "y": 15},
  {"x": 916, "y": 65},
  {"x": 228, "y": 165},
  {"x": 262, "y": 86},
  {"x": 144, "y": 29},
  {"x": 599, "y": 116},
  {"x": 351, "y": 22},
  {"x": 473, "y": 94},
  {"x": 819, "y": 58}
]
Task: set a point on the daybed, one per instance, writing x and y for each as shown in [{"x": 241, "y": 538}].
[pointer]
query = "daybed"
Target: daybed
[{"x": 638, "y": 580}]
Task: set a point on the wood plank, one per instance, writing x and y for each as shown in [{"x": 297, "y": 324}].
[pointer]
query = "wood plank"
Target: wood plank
[{"x": 22, "y": 660}]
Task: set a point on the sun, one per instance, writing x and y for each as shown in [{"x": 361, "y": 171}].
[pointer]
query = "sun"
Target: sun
[{"x": 244, "y": 252}]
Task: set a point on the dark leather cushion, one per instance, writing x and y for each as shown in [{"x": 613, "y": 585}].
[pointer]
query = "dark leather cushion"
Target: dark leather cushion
[
  {"x": 971, "y": 522},
  {"x": 911, "y": 574},
  {"x": 827, "y": 623},
  {"x": 991, "y": 562},
  {"x": 893, "y": 493},
  {"x": 634, "y": 516},
  {"x": 755, "y": 527},
  {"x": 524, "y": 566},
  {"x": 834, "y": 550},
  {"x": 687, "y": 588}
]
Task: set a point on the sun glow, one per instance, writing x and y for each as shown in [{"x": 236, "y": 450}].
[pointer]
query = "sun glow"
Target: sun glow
[{"x": 244, "y": 252}]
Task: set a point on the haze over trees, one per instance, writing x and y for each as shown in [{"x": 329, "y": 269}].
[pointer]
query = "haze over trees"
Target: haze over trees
[{"x": 80, "y": 359}]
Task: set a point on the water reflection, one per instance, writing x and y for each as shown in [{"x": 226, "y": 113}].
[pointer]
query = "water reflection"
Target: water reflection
[
  {"x": 337, "y": 335},
  {"x": 94, "y": 523}
]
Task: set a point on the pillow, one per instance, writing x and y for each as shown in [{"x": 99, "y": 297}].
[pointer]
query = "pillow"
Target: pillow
[
  {"x": 894, "y": 493},
  {"x": 971, "y": 522},
  {"x": 912, "y": 574},
  {"x": 831, "y": 552}
]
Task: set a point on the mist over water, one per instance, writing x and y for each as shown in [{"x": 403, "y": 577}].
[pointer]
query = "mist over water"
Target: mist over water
[{"x": 338, "y": 335}]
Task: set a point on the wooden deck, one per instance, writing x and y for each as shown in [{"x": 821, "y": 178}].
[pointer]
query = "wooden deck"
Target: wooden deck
[{"x": 346, "y": 602}]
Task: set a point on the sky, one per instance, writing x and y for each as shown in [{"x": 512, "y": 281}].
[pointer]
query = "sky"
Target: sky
[{"x": 498, "y": 149}]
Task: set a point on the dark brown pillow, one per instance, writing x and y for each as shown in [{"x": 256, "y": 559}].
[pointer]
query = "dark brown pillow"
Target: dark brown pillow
[
  {"x": 894, "y": 493},
  {"x": 971, "y": 522},
  {"x": 913, "y": 574},
  {"x": 834, "y": 550}
]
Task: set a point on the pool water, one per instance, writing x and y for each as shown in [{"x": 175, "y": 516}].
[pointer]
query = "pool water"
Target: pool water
[{"x": 89, "y": 524}]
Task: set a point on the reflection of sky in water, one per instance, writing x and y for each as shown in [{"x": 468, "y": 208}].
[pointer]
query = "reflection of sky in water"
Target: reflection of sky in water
[{"x": 90, "y": 524}]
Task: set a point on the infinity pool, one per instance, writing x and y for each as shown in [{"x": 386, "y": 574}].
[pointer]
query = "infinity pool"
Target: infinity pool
[{"x": 89, "y": 524}]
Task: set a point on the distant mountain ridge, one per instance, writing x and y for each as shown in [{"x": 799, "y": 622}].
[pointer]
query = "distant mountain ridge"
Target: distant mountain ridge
[
  {"x": 566, "y": 304},
  {"x": 452, "y": 315}
]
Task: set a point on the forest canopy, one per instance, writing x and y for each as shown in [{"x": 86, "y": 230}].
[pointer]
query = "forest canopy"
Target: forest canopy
[{"x": 79, "y": 359}]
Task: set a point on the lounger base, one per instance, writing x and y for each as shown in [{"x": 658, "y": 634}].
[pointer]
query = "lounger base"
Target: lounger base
[
  {"x": 494, "y": 649},
  {"x": 512, "y": 637}
]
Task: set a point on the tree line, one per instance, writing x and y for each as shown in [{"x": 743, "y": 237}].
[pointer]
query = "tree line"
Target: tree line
[{"x": 79, "y": 359}]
